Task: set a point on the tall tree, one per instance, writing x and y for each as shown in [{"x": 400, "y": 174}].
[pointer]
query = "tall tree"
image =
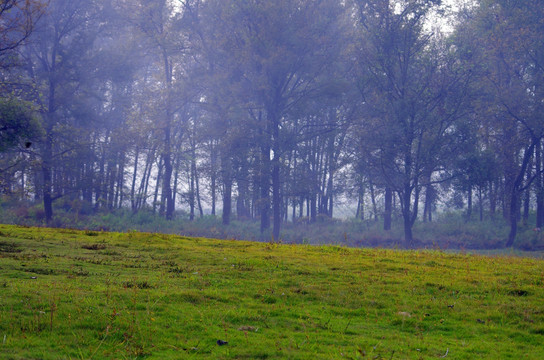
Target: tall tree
[
  {"x": 412, "y": 92},
  {"x": 55, "y": 59},
  {"x": 162, "y": 37},
  {"x": 508, "y": 47},
  {"x": 278, "y": 53}
]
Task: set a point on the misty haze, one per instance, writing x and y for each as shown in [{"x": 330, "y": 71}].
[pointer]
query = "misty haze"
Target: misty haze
[
  {"x": 271, "y": 179},
  {"x": 360, "y": 123}
]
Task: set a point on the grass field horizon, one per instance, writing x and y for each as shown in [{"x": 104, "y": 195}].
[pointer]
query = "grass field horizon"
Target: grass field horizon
[{"x": 69, "y": 294}]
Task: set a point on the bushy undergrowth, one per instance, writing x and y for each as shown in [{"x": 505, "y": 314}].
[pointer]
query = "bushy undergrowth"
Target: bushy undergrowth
[{"x": 447, "y": 231}]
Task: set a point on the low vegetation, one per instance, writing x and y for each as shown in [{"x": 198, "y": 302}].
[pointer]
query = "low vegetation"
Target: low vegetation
[
  {"x": 448, "y": 230},
  {"x": 97, "y": 295}
]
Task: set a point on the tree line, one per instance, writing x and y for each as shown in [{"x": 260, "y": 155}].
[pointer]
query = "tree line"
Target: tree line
[{"x": 274, "y": 111}]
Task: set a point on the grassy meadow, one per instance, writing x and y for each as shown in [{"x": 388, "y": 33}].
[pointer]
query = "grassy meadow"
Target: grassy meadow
[{"x": 67, "y": 294}]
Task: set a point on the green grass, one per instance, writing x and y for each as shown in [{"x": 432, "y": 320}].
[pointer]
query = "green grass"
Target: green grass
[{"x": 67, "y": 294}]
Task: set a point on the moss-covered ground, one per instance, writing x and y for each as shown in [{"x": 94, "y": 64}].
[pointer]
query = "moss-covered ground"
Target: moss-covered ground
[{"x": 67, "y": 294}]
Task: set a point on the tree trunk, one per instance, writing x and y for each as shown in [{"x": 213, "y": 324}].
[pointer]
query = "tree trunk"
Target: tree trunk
[
  {"x": 119, "y": 193},
  {"x": 242, "y": 180},
  {"x": 167, "y": 153},
  {"x": 46, "y": 171},
  {"x": 99, "y": 201},
  {"x": 265, "y": 187},
  {"x": 513, "y": 218},
  {"x": 192, "y": 174},
  {"x": 213, "y": 175},
  {"x": 492, "y": 198},
  {"x": 539, "y": 187},
  {"x": 198, "y": 200},
  {"x": 361, "y": 203},
  {"x": 373, "y": 199},
  {"x": 134, "y": 175},
  {"x": 313, "y": 208},
  {"x": 469, "y": 204},
  {"x": 407, "y": 216},
  {"x": 481, "y": 203},
  {"x": 157, "y": 186},
  {"x": 144, "y": 184},
  {"x": 516, "y": 191},
  {"x": 527, "y": 197},
  {"x": 166, "y": 186},
  {"x": 276, "y": 184},
  {"x": 429, "y": 200},
  {"x": 388, "y": 209},
  {"x": 226, "y": 172},
  {"x": 176, "y": 177},
  {"x": 112, "y": 176}
]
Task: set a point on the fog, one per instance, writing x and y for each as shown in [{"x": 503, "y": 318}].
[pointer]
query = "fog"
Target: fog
[{"x": 287, "y": 120}]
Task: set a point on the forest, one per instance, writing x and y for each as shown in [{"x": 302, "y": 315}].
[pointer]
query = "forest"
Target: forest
[{"x": 274, "y": 113}]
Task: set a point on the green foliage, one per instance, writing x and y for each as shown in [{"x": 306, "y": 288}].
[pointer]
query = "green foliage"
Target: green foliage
[
  {"x": 70, "y": 294},
  {"x": 18, "y": 123}
]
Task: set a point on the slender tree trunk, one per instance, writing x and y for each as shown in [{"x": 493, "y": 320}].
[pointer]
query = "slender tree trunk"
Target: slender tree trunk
[
  {"x": 388, "y": 209},
  {"x": 492, "y": 198},
  {"x": 415, "y": 207},
  {"x": 134, "y": 175},
  {"x": 358, "y": 212},
  {"x": 294, "y": 190},
  {"x": 192, "y": 174},
  {"x": 513, "y": 218},
  {"x": 177, "y": 169},
  {"x": 199, "y": 202},
  {"x": 166, "y": 184},
  {"x": 276, "y": 184},
  {"x": 242, "y": 180},
  {"x": 503, "y": 189},
  {"x": 112, "y": 176},
  {"x": 527, "y": 197},
  {"x": 144, "y": 184},
  {"x": 213, "y": 176},
  {"x": 47, "y": 155},
  {"x": 329, "y": 209},
  {"x": 313, "y": 208},
  {"x": 539, "y": 184},
  {"x": 481, "y": 203},
  {"x": 516, "y": 191},
  {"x": 167, "y": 152},
  {"x": 46, "y": 171},
  {"x": 193, "y": 180},
  {"x": 373, "y": 200},
  {"x": 227, "y": 201},
  {"x": 469, "y": 203},
  {"x": 99, "y": 201},
  {"x": 427, "y": 210},
  {"x": 119, "y": 193},
  {"x": 360, "y": 203},
  {"x": 157, "y": 186},
  {"x": 265, "y": 186},
  {"x": 89, "y": 176},
  {"x": 226, "y": 171},
  {"x": 407, "y": 215}
]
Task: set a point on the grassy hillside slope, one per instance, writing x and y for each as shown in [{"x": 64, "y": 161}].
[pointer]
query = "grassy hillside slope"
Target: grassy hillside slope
[{"x": 67, "y": 294}]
